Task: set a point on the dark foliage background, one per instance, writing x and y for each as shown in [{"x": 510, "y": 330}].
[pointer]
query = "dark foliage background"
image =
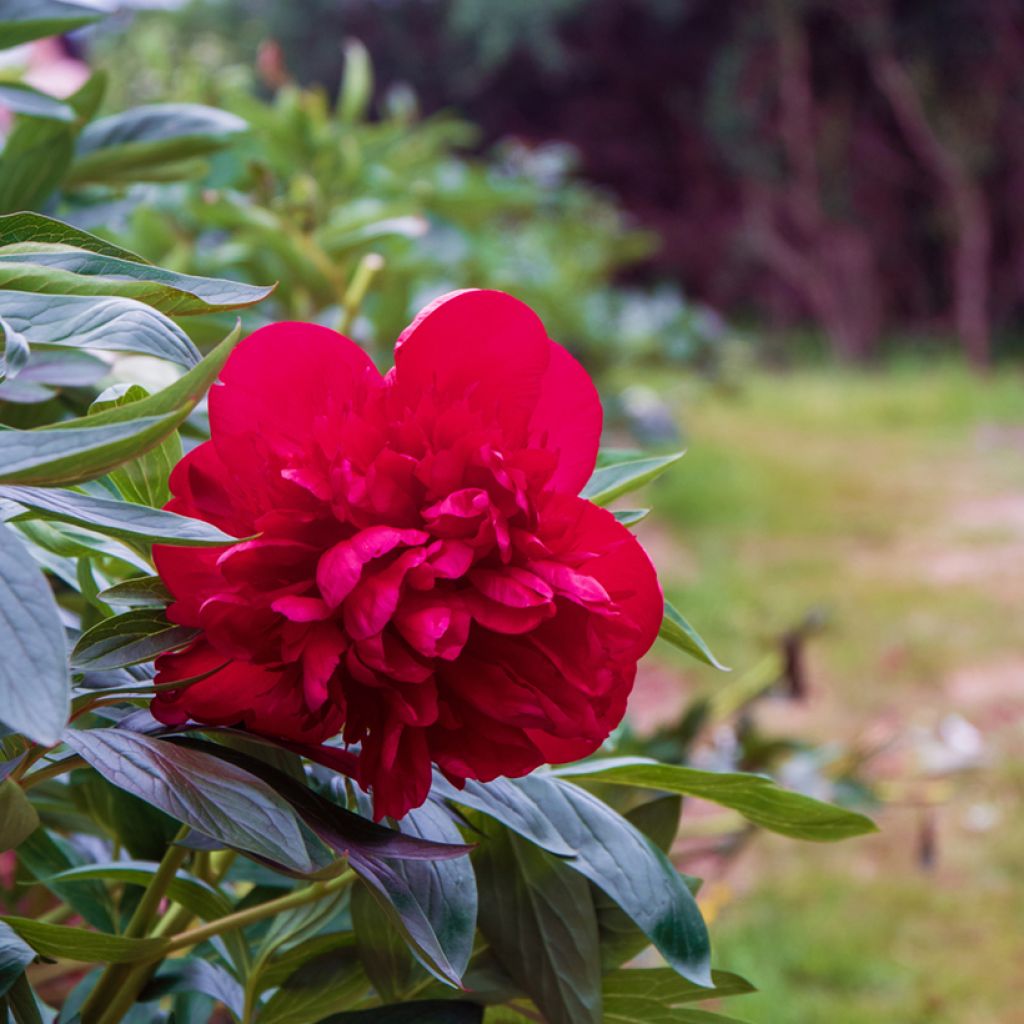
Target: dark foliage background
[{"x": 851, "y": 165}]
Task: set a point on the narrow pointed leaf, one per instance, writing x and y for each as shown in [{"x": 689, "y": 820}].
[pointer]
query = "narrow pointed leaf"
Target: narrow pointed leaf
[
  {"x": 63, "y": 270},
  {"x": 758, "y": 798},
  {"x": 35, "y": 227},
  {"x": 23, "y": 99},
  {"x": 117, "y": 518},
  {"x": 18, "y": 818},
  {"x": 65, "y": 943},
  {"x": 678, "y": 632},
  {"x": 15, "y": 956},
  {"x": 612, "y": 481},
  {"x": 143, "y": 592},
  {"x": 70, "y": 454}
]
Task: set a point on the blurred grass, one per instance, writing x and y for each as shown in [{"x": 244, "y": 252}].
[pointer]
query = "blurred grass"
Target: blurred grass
[{"x": 868, "y": 494}]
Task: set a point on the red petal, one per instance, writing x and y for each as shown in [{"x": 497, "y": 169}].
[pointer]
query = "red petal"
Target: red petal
[
  {"x": 480, "y": 344},
  {"x": 283, "y": 387},
  {"x": 568, "y": 419}
]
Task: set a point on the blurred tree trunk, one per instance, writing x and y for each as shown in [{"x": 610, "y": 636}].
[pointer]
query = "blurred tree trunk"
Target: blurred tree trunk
[
  {"x": 947, "y": 155},
  {"x": 972, "y": 247},
  {"x": 828, "y": 263}
]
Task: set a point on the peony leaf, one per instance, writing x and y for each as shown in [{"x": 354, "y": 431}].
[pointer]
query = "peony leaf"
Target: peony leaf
[
  {"x": 130, "y": 638},
  {"x": 106, "y": 323},
  {"x": 612, "y": 480},
  {"x": 34, "y": 227},
  {"x": 756, "y": 797},
  {"x": 631, "y": 516},
  {"x": 65, "y": 943},
  {"x": 678, "y": 632},
  {"x": 18, "y": 818},
  {"x": 65, "y": 454},
  {"x": 77, "y": 450},
  {"x": 142, "y": 592},
  {"x": 23, "y": 99},
  {"x": 117, "y": 518},
  {"x": 139, "y": 144},
  {"x": 201, "y": 898},
  {"x": 15, "y": 956},
  {"x": 625, "y": 865},
  {"x": 325, "y": 984},
  {"x": 35, "y": 689},
  {"x": 506, "y": 802},
  {"x": 207, "y": 793},
  {"x": 667, "y": 988},
  {"x": 537, "y": 916},
  {"x": 45, "y": 855},
  {"x": 24, "y": 20},
  {"x": 60, "y": 269},
  {"x": 427, "y": 1011}
]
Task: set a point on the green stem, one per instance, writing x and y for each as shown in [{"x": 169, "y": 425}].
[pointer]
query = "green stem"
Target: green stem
[
  {"x": 369, "y": 267},
  {"x": 106, "y": 1002},
  {"x": 260, "y": 912},
  {"x": 52, "y": 771}
]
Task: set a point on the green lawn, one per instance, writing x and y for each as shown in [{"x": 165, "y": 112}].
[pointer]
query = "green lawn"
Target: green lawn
[{"x": 895, "y": 501}]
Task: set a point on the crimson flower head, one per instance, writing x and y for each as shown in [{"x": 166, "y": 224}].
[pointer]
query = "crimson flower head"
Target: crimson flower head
[{"x": 420, "y": 575}]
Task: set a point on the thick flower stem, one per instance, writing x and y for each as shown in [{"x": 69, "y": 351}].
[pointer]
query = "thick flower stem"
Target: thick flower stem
[{"x": 114, "y": 980}]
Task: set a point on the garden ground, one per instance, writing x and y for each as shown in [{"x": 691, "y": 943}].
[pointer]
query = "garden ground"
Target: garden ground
[{"x": 894, "y": 501}]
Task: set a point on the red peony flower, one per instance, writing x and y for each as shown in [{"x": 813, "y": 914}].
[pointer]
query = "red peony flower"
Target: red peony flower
[{"x": 422, "y": 576}]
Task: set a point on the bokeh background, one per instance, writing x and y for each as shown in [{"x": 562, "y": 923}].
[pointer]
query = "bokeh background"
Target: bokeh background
[{"x": 785, "y": 234}]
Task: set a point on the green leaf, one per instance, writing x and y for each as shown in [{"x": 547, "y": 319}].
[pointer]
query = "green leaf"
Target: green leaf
[
  {"x": 631, "y": 516},
  {"x": 67, "y": 454},
  {"x": 638, "y": 1010},
  {"x": 625, "y": 865},
  {"x": 612, "y": 481},
  {"x": 15, "y": 956},
  {"x": 621, "y": 939},
  {"x": 45, "y": 855},
  {"x": 508, "y": 803},
  {"x": 24, "y": 1004},
  {"x": 130, "y": 638},
  {"x": 65, "y": 943},
  {"x": 145, "y": 480},
  {"x": 428, "y": 1011},
  {"x": 59, "y": 269},
  {"x": 386, "y": 957},
  {"x": 117, "y": 518},
  {"x": 144, "y": 592},
  {"x": 18, "y": 818},
  {"x": 538, "y": 918},
  {"x": 445, "y": 889},
  {"x": 664, "y": 986},
  {"x": 14, "y": 351},
  {"x": 104, "y": 440},
  {"x": 185, "y": 392},
  {"x": 213, "y": 796},
  {"x": 195, "y": 895},
  {"x": 35, "y": 689},
  {"x": 678, "y": 632},
  {"x": 37, "y": 153},
  {"x": 134, "y": 144},
  {"x": 105, "y": 323},
  {"x": 35, "y": 227},
  {"x": 756, "y": 797},
  {"x": 24, "y": 20},
  {"x": 23, "y": 99},
  {"x": 325, "y": 984}
]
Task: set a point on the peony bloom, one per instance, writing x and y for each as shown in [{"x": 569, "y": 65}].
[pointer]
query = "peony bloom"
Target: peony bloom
[{"x": 420, "y": 575}]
